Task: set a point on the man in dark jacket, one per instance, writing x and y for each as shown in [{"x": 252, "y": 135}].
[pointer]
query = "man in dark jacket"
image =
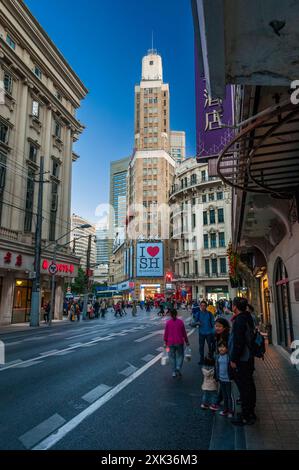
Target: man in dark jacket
[{"x": 242, "y": 360}]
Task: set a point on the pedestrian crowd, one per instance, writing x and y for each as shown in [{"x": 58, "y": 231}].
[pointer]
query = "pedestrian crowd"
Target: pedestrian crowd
[{"x": 230, "y": 333}]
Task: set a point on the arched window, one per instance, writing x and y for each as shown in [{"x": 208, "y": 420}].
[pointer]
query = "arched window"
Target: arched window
[{"x": 285, "y": 334}]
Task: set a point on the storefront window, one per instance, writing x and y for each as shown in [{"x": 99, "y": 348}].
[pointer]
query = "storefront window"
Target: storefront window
[{"x": 22, "y": 301}]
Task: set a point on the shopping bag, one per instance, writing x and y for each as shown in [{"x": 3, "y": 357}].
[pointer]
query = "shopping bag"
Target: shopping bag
[
  {"x": 165, "y": 357},
  {"x": 188, "y": 354}
]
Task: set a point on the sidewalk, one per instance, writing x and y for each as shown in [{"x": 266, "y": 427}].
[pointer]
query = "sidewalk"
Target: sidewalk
[
  {"x": 26, "y": 326},
  {"x": 277, "y": 428}
]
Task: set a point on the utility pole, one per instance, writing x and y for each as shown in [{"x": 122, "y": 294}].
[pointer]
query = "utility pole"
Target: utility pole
[
  {"x": 35, "y": 298},
  {"x": 87, "y": 278},
  {"x": 53, "y": 282}
]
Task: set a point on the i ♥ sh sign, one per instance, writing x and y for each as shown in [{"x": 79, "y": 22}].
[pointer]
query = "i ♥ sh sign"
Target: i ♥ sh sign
[{"x": 149, "y": 259}]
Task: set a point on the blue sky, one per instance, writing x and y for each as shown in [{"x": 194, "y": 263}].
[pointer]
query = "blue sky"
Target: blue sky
[{"x": 104, "y": 42}]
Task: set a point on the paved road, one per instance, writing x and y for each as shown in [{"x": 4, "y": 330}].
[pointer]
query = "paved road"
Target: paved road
[{"x": 99, "y": 385}]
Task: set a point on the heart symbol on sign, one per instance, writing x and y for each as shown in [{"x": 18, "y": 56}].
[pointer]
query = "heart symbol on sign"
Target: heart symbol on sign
[{"x": 153, "y": 250}]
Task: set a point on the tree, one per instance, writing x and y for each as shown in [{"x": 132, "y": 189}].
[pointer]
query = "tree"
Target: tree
[{"x": 80, "y": 282}]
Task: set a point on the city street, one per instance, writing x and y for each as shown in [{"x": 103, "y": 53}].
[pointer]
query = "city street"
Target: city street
[{"x": 55, "y": 377}]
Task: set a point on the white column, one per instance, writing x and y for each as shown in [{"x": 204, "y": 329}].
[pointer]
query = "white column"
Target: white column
[
  {"x": 58, "y": 308},
  {"x": 7, "y": 296},
  {"x": 46, "y": 152},
  {"x": 18, "y": 156},
  {"x": 66, "y": 186}
]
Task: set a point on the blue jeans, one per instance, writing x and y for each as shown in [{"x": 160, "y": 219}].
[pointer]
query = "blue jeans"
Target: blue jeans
[
  {"x": 226, "y": 389},
  {"x": 210, "y": 339},
  {"x": 209, "y": 397},
  {"x": 176, "y": 356}
]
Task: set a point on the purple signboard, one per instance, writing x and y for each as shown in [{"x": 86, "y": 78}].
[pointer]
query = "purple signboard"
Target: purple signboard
[{"x": 211, "y": 115}]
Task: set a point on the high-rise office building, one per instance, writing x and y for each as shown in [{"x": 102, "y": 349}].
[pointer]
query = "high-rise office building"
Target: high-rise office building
[
  {"x": 118, "y": 191},
  {"x": 80, "y": 240},
  {"x": 102, "y": 245},
  {"x": 178, "y": 145},
  {"x": 152, "y": 106}
]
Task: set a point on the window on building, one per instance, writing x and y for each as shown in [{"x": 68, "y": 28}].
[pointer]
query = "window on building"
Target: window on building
[
  {"x": 223, "y": 265},
  {"x": 4, "y": 133},
  {"x": 58, "y": 95},
  {"x": 35, "y": 108},
  {"x": 221, "y": 240},
  {"x": 204, "y": 198},
  {"x": 203, "y": 175},
  {"x": 220, "y": 216},
  {"x": 8, "y": 83},
  {"x": 219, "y": 196},
  {"x": 214, "y": 266},
  {"x": 207, "y": 266},
  {"x": 195, "y": 267},
  {"x": 211, "y": 197},
  {"x": 29, "y": 201},
  {"x": 57, "y": 129},
  {"x": 55, "y": 168},
  {"x": 193, "y": 179},
  {"x": 213, "y": 240},
  {"x": 212, "y": 216},
  {"x": 193, "y": 220},
  {"x": 2, "y": 179},
  {"x": 37, "y": 71},
  {"x": 193, "y": 201},
  {"x": 53, "y": 211},
  {"x": 10, "y": 42},
  {"x": 32, "y": 152},
  {"x": 206, "y": 241},
  {"x": 205, "y": 218}
]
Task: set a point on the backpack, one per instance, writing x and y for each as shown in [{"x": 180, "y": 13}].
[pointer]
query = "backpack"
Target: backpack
[{"x": 257, "y": 344}]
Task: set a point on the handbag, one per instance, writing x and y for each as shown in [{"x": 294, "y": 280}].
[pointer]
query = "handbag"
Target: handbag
[
  {"x": 188, "y": 354},
  {"x": 165, "y": 357}
]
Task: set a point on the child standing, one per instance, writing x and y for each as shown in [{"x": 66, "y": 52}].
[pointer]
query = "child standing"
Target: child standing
[
  {"x": 223, "y": 374},
  {"x": 209, "y": 385}
]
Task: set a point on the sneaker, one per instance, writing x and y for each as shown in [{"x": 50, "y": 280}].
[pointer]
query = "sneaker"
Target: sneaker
[
  {"x": 214, "y": 407},
  {"x": 204, "y": 406},
  {"x": 223, "y": 413},
  {"x": 179, "y": 373},
  {"x": 230, "y": 414},
  {"x": 174, "y": 375}
]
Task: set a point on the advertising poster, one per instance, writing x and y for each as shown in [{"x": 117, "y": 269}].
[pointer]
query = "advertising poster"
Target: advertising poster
[{"x": 149, "y": 259}]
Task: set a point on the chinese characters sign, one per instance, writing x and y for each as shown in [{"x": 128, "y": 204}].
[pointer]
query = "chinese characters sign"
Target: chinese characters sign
[{"x": 212, "y": 115}]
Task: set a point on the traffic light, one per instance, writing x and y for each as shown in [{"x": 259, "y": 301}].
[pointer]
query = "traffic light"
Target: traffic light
[{"x": 168, "y": 277}]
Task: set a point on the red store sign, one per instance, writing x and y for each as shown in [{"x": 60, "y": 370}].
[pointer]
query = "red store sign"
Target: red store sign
[
  {"x": 8, "y": 259},
  {"x": 61, "y": 268}
]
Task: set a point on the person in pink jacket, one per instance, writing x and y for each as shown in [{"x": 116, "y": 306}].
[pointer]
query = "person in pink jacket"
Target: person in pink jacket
[{"x": 174, "y": 337}]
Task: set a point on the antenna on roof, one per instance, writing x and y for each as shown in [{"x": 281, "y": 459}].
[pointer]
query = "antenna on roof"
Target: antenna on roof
[{"x": 152, "y": 50}]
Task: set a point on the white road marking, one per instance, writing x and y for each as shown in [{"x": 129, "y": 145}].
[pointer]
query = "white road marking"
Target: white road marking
[
  {"x": 11, "y": 363},
  {"x": 147, "y": 358},
  {"x": 63, "y": 353},
  {"x": 128, "y": 371},
  {"x": 160, "y": 349},
  {"x": 30, "y": 438},
  {"x": 23, "y": 365},
  {"x": 55, "y": 437},
  {"x": 96, "y": 393},
  {"x": 149, "y": 336},
  {"x": 48, "y": 352}
]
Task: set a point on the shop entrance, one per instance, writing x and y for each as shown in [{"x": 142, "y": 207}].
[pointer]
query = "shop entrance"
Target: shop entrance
[
  {"x": 148, "y": 291},
  {"x": 216, "y": 293},
  {"x": 283, "y": 305},
  {"x": 22, "y": 301}
]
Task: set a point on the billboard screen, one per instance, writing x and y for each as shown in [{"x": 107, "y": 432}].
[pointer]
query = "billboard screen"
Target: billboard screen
[{"x": 149, "y": 259}]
